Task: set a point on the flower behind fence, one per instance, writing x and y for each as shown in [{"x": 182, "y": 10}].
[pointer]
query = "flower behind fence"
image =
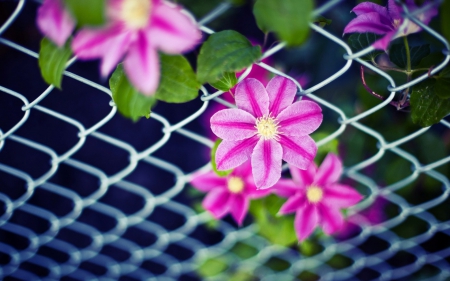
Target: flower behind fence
[{"x": 268, "y": 128}]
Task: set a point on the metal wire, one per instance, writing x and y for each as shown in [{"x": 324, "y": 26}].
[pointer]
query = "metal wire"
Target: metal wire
[{"x": 18, "y": 260}]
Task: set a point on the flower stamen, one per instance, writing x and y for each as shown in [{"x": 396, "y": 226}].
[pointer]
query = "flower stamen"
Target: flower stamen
[
  {"x": 267, "y": 127},
  {"x": 235, "y": 185},
  {"x": 136, "y": 13},
  {"x": 314, "y": 194}
]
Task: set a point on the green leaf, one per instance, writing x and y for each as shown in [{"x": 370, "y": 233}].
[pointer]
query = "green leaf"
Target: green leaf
[
  {"x": 426, "y": 106},
  {"x": 442, "y": 86},
  {"x": 322, "y": 21},
  {"x": 213, "y": 161},
  {"x": 226, "y": 82},
  {"x": 178, "y": 83},
  {"x": 129, "y": 101},
  {"x": 87, "y": 12},
  {"x": 212, "y": 267},
  {"x": 289, "y": 19},
  {"x": 225, "y": 51},
  {"x": 445, "y": 19},
  {"x": 397, "y": 54},
  {"x": 277, "y": 229},
  {"x": 52, "y": 61},
  {"x": 359, "y": 41}
]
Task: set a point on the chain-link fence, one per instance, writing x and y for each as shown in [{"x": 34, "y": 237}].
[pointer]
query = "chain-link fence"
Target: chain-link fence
[{"x": 87, "y": 195}]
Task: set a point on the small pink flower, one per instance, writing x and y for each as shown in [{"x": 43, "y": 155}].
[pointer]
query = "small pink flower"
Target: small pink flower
[
  {"x": 136, "y": 30},
  {"x": 229, "y": 194},
  {"x": 316, "y": 197},
  {"x": 268, "y": 128},
  {"x": 55, "y": 21},
  {"x": 377, "y": 19}
]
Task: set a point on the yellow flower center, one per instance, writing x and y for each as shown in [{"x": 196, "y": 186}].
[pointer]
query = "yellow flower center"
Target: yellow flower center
[
  {"x": 235, "y": 185},
  {"x": 267, "y": 127},
  {"x": 396, "y": 23},
  {"x": 314, "y": 194},
  {"x": 136, "y": 13}
]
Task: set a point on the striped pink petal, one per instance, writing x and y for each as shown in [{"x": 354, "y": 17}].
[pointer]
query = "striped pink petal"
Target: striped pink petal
[
  {"x": 383, "y": 43},
  {"x": 370, "y": 22},
  {"x": 142, "y": 65},
  {"x": 172, "y": 30},
  {"x": 303, "y": 177},
  {"x": 216, "y": 202},
  {"x": 329, "y": 171},
  {"x": 207, "y": 181},
  {"x": 233, "y": 124},
  {"x": 299, "y": 119},
  {"x": 252, "y": 97},
  {"x": 55, "y": 21},
  {"x": 281, "y": 92},
  {"x": 239, "y": 207},
  {"x": 306, "y": 220},
  {"x": 298, "y": 151},
  {"x": 331, "y": 219},
  {"x": 293, "y": 204},
  {"x": 341, "y": 196},
  {"x": 369, "y": 7},
  {"x": 230, "y": 154},
  {"x": 266, "y": 163},
  {"x": 286, "y": 188}
]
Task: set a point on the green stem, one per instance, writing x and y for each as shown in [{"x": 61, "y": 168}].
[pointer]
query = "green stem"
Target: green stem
[{"x": 408, "y": 55}]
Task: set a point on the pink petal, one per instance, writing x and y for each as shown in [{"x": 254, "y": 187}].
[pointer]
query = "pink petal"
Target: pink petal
[
  {"x": 285, "y": 188},
  {"x": 55, "y": 22},
  {"x": 233, "y": 124},
  {"x": 341, "y": 196},
  {"x": 383, "y": 43},
  {"x": 173, "y": 30},
  {"x": 231, "y": 154},
  {"x": 252, "y": 97},
  {"x": 329, "y": 171},
  {"x": 370, "y": 22},
  {"x": 369, "y": 7},
  {"x": 109, "y": 44},
  {"x": 142, "y": 65},
  {"x": 294, "y": 203},
  {"x": 243, "y": 171},
  {"x": 306, "y": 220},
  {"x": 281, "y": 92},
  {"x": 298, "y": 151},
  {"x": 301, "y": 118},
  {"x": 395, "y": 11},
  {"x": 303, "y": 178},
  {"x": 266, "y": 163},
  {"x": 239, "y": 207},
  {"x": 216, "y": 202},
  {"x": 331, "y": 219},
  {"x": 207, "y": 181}
]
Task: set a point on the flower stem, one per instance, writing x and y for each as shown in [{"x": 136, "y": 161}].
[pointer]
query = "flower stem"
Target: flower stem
[{"x": 408, "y": 55}]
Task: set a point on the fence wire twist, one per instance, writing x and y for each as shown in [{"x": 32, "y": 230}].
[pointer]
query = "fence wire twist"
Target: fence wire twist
[{"x": 22, "y": 262}]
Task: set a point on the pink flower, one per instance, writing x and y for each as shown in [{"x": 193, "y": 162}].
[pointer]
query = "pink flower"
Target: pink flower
[
  {"x": 316, "y": 197},
  {"x": 229, "y": 194},
  {"x": 136, "y": 30},
  {"x": 268, "y": 128},
  {"x": 55, "y": 22},
  {"x": 377, "y": 19}
]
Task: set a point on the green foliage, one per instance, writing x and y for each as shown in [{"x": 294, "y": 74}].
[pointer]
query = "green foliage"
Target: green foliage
[
  {"x": 359, "y": 41},
  {"x": 322, "y": 21},
  {"x": 397, "y": 54},
  {"x": 226, "y": 82},
  {"x": 426, "y": 105},
  {"x": 442, "y": 86},
  {"x": 277, "y": 229},
  {"x": 87, "y": 12},
  {"x": 213, "y": 161},
  {"x": 225, "y": 51},
  {"x": 129, "y": 101},
  {"x": 244, "y": 251},
  {"x": 445, "y": 19},
  {"x": 212, "y": 267},
  {"x": 289, "y": 19},
  {"x": 178, "y": 83},
  {"x": 52, "y": 61}
]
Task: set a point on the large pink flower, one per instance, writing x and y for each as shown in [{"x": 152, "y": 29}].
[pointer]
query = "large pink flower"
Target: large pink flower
[
  {"x": 316, "y": 197},
  {"x": 268, "y": 128},
  {"x": 55, "y": 21},
  {"x": 136, "y": 30},
  {"x": 377, "y": 19},
  {"x": 229, "y": 194}
]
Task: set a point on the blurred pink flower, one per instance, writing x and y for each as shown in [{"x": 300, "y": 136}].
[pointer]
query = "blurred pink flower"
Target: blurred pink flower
[
  {"x": 267, "y": 127},
  {"x": 229, "y": 194},
  {"x": 377, "y": 19},
  {"x": 316, "y": 197},
  {"x": 55, "y": 22},
  {"x": 137, "y": 30}
]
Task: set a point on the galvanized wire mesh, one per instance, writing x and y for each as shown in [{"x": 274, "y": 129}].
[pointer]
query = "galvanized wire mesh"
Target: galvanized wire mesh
[{"x": 133, "y": 243}]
